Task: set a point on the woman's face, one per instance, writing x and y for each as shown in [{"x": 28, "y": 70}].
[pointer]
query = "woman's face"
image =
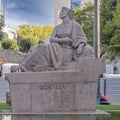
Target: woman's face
[{"x": 63, "y": 13}]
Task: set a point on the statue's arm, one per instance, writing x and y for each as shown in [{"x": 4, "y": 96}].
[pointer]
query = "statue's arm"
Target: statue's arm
[
  {"x": 60, "y": 40},
  {"x": 55, "y": 39},
  {"x": 81, "y": 39}
]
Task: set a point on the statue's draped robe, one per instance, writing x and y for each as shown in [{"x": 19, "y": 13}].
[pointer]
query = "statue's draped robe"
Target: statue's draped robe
[{"x": 55, "y": 56}]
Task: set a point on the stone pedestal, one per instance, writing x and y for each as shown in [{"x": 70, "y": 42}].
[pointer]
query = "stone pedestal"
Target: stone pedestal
[
  {"x": 52, "y": 117},
  {"x": 56, "y": 91}
]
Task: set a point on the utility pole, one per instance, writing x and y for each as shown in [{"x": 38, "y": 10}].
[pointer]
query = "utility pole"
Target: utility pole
[
  {"x": 97, "y": 39},
  {"x": 97, "y": 28}
]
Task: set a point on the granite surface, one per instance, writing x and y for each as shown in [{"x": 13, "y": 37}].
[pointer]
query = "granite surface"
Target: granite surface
[{"x": 56, "y": 91}]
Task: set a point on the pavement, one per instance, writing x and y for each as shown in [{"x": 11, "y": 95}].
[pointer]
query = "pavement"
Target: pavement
[
  {"x": 97, "y": 113},
  {"x": 4, "y": 87}
]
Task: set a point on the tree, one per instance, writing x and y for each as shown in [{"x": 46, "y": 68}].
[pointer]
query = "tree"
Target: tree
[
  {"x": 107, "y": 10},
  {"x": 84, "y": 16},
  {"x": 110, "y": 27},
  {"x": 26, "y": 43},
  {"x": 30, "y": 35},
  {"x": 47, "y": 30},
  {"x": 9, "y": 44},
  {"x": 1, "y": 25},
  {"x": 116, "y": 25},
  {"x": 34, "y": 31},
  {"x": 115, "y": 39}
]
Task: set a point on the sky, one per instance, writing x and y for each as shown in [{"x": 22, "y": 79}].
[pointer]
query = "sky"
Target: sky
[
  {"x": 37, "y": 12},
  {"x": 75, "y": 0}
]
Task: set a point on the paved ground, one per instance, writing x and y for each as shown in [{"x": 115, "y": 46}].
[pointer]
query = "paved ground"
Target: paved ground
[{"x": 4, "y": 87}]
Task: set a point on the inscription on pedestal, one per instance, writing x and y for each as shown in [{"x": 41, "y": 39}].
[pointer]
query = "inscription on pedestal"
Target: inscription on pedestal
[{"x": 56, "y": 86}]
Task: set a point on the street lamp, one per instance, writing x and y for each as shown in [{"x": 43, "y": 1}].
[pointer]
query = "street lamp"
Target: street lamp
[{"x": 97, "y": 39}]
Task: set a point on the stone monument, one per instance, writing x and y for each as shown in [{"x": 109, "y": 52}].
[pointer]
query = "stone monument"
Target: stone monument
[{"x": 60, "y": 77}]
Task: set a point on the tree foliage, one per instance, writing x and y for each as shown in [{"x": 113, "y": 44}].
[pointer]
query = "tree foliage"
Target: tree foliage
[
  {"x": 110, "y": 27},
  {"x": 116, "y": 25},
  {"x": 26, "y": 43},
  {"x": 47, "y": 30},
  {"x": 1, "y": 25},
  {"x": 107, "y": 11},
  {"x": 84, "y": 16},
  {"x": 35, "y": 32},
  {"x": 109, "y": 24},
  {"x": 30, "y": 35},
  {"x": 114, "y": 50},
  {"x": 9, "y": 44}
]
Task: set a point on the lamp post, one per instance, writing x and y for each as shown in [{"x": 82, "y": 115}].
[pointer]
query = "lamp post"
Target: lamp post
[
  {"x": 97, "y": 28},
  {"x": 97, "y": 38}
]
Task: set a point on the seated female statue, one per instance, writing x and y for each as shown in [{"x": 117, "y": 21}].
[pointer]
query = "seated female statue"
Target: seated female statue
[{"x": 68, "y": 44}]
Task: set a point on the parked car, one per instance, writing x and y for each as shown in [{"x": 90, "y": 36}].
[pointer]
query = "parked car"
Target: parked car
[{"x": 104, "y": 100}]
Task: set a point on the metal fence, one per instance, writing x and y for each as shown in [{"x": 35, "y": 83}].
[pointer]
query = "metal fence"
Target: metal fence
[{"x": 110, "y": 87}]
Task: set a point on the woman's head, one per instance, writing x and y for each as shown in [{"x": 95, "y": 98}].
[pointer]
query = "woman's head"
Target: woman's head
[{"x": 66, "y": 12}]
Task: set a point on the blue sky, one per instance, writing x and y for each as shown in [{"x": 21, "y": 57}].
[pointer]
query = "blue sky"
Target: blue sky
[
  {"x": 75, "y": 0},
  {"x": 38, "y": 12}
]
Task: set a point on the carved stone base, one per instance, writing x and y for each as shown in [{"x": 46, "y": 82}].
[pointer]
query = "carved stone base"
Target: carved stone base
[
  {"x": 56, "y": 91},
  {"x": 53, "y": 117}
]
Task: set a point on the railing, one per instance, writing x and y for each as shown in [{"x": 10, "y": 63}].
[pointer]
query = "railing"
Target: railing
[{"x": 110, "y": 87}]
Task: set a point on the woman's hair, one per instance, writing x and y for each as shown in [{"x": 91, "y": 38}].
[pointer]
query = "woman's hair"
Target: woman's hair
[{"x": 70, "y": 12}]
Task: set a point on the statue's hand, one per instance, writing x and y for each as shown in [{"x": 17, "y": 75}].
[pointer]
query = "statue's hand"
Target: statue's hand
[
  {"x": 67, "y": 39},
  {"x": 79, "y": 50}
]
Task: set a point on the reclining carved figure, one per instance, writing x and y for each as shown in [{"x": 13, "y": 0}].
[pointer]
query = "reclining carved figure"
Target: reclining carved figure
[{"x": 68, "y": 44}]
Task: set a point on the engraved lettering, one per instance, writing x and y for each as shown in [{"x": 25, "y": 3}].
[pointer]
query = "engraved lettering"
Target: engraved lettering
[{"x": 56, "y": 86}]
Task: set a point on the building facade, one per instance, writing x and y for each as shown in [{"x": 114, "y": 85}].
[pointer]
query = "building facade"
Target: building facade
[
  {"x": 68, "y": 3},
  {"x": 2, "y": 9},
  {"x": 57, "y": 7},
  {"x": 83, "y": 2},
  {"x": 9, "y": 32}
]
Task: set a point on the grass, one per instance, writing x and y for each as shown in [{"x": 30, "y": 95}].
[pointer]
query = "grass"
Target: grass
[
  {"x": 4, "y": 106},
  {"x": 108, "y": 107}
]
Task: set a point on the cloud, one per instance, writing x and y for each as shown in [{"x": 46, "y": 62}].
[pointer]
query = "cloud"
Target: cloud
[
  {"x": 38, "y": 12},
  {"x": 11, "y": 6},
  {"x": 15, "y": 20}
]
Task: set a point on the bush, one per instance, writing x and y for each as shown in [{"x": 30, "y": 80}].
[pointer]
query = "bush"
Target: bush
[
  {"x": 26, "y": 43},
  {"x": 41, "y": 41},
  {"x": 1, "y": 36},
  {"x": 9, "y": 44},
  {"x": 0, "y": 46},
  {"x": 1, "y": 25}
]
